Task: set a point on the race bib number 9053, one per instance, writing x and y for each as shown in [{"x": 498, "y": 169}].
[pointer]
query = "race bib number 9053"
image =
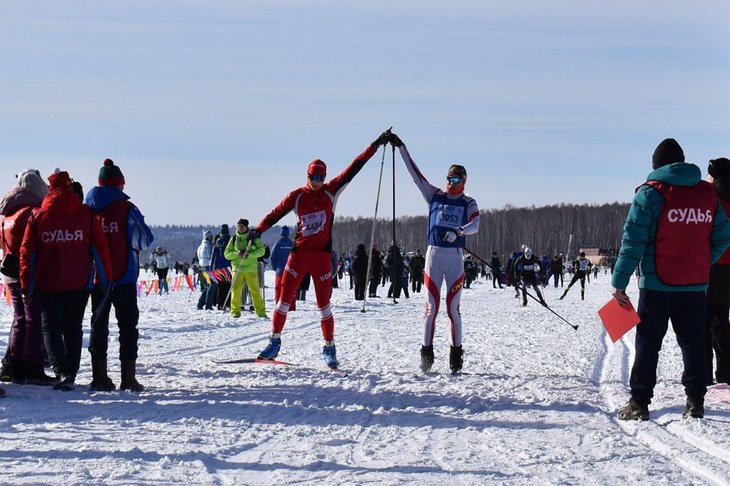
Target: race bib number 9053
[
  {"x": 313, "y": 223},
  {"x": 450, "y": 216}
]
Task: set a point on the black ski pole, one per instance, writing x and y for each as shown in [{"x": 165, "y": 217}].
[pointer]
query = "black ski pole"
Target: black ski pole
[
  {"x": 524, "y": 289},
  {"x": 394, "y": 276}
]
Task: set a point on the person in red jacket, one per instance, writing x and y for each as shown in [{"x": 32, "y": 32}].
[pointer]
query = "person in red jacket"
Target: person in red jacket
[
  {"x": 127, "y": 235},
  {"x": 314, "y": 205},
  {"x": 63, "y": 245},
  {"x": 23, "y": 362}
]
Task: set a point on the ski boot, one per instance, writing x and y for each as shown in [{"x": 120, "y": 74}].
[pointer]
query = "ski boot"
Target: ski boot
[
  {"x": 37, "y": 376},
  {"x": 426, "y": 358},
  {"x": 456, "y": 359},
  {"x": 272, "y": 350},
  {"x": 330, "y": 356}
]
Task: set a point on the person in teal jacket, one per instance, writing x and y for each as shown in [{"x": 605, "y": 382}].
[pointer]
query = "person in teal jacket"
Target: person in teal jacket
[
  {"x": 243, "y": 250},
  {"x": 699, "y": 226}
]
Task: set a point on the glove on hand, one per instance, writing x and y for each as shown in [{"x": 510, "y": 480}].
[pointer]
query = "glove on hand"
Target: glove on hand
[
  {"x": 382, "y": 139},
  {"x": 450, "y": 236},
  {"x": 395, "y": 140}
]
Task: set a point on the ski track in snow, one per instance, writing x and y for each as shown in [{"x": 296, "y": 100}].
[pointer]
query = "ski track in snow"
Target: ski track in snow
[{"x": 536, "y": 403}]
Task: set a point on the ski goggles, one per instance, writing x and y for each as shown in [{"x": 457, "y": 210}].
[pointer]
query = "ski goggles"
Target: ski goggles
[
  {"x": 316, "y": 177},
  {"x": 454, "y": 180}
]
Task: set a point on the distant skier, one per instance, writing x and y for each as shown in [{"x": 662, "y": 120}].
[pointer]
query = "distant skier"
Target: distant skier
[
  {"x": 496, "y": 271},
  {"x": 161, "y": 263},
  {"x": 452, "y": 216},
  {"x": 581, "y": 266},
  {"x": 314, "y": 205},
  {"x": 528, "y": 268}
]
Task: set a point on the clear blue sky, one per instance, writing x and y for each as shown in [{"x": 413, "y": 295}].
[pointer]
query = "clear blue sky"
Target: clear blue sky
[{"x": 213, "y": 108}]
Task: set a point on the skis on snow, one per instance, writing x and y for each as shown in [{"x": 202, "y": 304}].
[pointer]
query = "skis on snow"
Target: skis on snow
[{"x": 275, "y": 362}]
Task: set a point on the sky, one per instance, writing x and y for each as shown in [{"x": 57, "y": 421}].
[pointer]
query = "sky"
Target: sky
[{"x": 213, "y": 109}]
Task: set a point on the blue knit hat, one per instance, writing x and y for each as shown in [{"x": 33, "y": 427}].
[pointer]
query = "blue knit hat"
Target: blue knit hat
[{"x": 284, "y": 231}]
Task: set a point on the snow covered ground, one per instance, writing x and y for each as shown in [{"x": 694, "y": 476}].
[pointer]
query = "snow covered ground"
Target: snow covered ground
[{"x": 535, "y": 405}]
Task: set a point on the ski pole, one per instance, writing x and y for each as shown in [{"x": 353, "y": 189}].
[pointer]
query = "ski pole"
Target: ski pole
[
  {"x": 524, "y": 289},
  {"x": 372, "y": 233},
  {"x": 394, "y": 273}
]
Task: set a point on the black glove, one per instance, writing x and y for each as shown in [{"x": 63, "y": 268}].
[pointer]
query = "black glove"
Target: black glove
[
  {"x": 395, "y": 140},
  {"x": 382, "y": 139}
]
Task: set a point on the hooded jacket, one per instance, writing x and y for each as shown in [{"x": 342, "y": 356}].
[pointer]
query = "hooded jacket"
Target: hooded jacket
[
  {"x": 15, "y": 210},
  {"x": 125, "y": 229},
  {"x": 62, "y": 242},
  {"x": 638, "y": 243}
]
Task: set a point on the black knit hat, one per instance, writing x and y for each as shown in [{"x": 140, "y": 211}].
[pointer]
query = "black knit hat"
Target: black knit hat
[
  {"x": 243, "y": 222},
  {"x": 719, "y": 167},
  {"x": 225, "y": 230},
  {"x": 667, "y": 152}
]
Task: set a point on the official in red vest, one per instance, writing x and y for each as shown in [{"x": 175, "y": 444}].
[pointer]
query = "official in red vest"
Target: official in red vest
[
  {"x": 63, "y": 246},
  {"x": 717, "y": 331},
  {"x": 23, "y": 363},
  {"x": 127, "y": 235},
  {"x": 676, "y": 228}
]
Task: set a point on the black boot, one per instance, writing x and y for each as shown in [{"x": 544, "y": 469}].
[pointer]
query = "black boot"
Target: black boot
[
  {"x": 129, "y": 382},
  {"x": 100, "y": 380},
  {"x": 456, "y": 358},
  {"x": 634, "y": 411},
  {"x": 426, "y": 358},
  {"x": 6, "y": 372},
  {"x": 36, "y": 375},
  {"x": 695, "y": 407}
]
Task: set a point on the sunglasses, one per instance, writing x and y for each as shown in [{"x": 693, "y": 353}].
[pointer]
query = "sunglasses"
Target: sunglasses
[
  {"x": 454, "y": 180},
  {"x": 315, "y": 177}
]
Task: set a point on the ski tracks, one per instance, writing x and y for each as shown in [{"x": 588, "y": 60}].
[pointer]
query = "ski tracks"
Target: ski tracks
[{"x": 681, "y": 441}]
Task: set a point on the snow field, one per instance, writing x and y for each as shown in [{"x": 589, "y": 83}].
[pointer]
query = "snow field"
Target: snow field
[{"x": 536, "y": 402}]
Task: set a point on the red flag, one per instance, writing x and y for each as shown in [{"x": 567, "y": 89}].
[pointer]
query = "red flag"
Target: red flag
[{"x": 618, "y": 320}]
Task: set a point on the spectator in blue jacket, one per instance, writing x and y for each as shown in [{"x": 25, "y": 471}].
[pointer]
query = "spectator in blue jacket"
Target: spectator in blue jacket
[{"x": 279, "y": 256}]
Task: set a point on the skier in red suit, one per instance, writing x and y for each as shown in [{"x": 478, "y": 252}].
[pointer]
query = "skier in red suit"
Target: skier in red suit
[{"x": 314, "y": 204}]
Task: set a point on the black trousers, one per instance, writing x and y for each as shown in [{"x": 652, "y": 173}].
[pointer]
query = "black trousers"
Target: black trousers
[
  {"x": 687, "y": 313},
  {"x": 62, "y": 314},
  {"x": 124, "y": 299}
]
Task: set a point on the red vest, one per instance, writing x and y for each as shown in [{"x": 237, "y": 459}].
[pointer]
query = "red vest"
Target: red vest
[
  {"x": 682, "y": 246},
  {"x": 114, "y": 222},
  {"x": 13, "y": 228}
]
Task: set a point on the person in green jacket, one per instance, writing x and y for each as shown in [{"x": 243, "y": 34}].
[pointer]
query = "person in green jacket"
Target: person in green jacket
[
  {"x": 676, "y": 228},
  {"x": 243, "y": 250}
]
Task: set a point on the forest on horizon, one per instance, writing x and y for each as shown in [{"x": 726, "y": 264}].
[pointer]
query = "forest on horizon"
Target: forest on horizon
[{"x": 546, "y": 229}]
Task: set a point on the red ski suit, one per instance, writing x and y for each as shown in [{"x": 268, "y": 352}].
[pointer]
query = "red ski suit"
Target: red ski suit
[{"x": 312, "y": 248}]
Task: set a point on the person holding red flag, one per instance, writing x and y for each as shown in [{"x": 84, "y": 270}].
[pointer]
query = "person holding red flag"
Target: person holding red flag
[{"x": 314, "y": 204}]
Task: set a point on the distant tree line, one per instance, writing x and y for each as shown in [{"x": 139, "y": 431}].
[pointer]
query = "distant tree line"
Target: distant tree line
[{"x": 546, "y": 229}]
